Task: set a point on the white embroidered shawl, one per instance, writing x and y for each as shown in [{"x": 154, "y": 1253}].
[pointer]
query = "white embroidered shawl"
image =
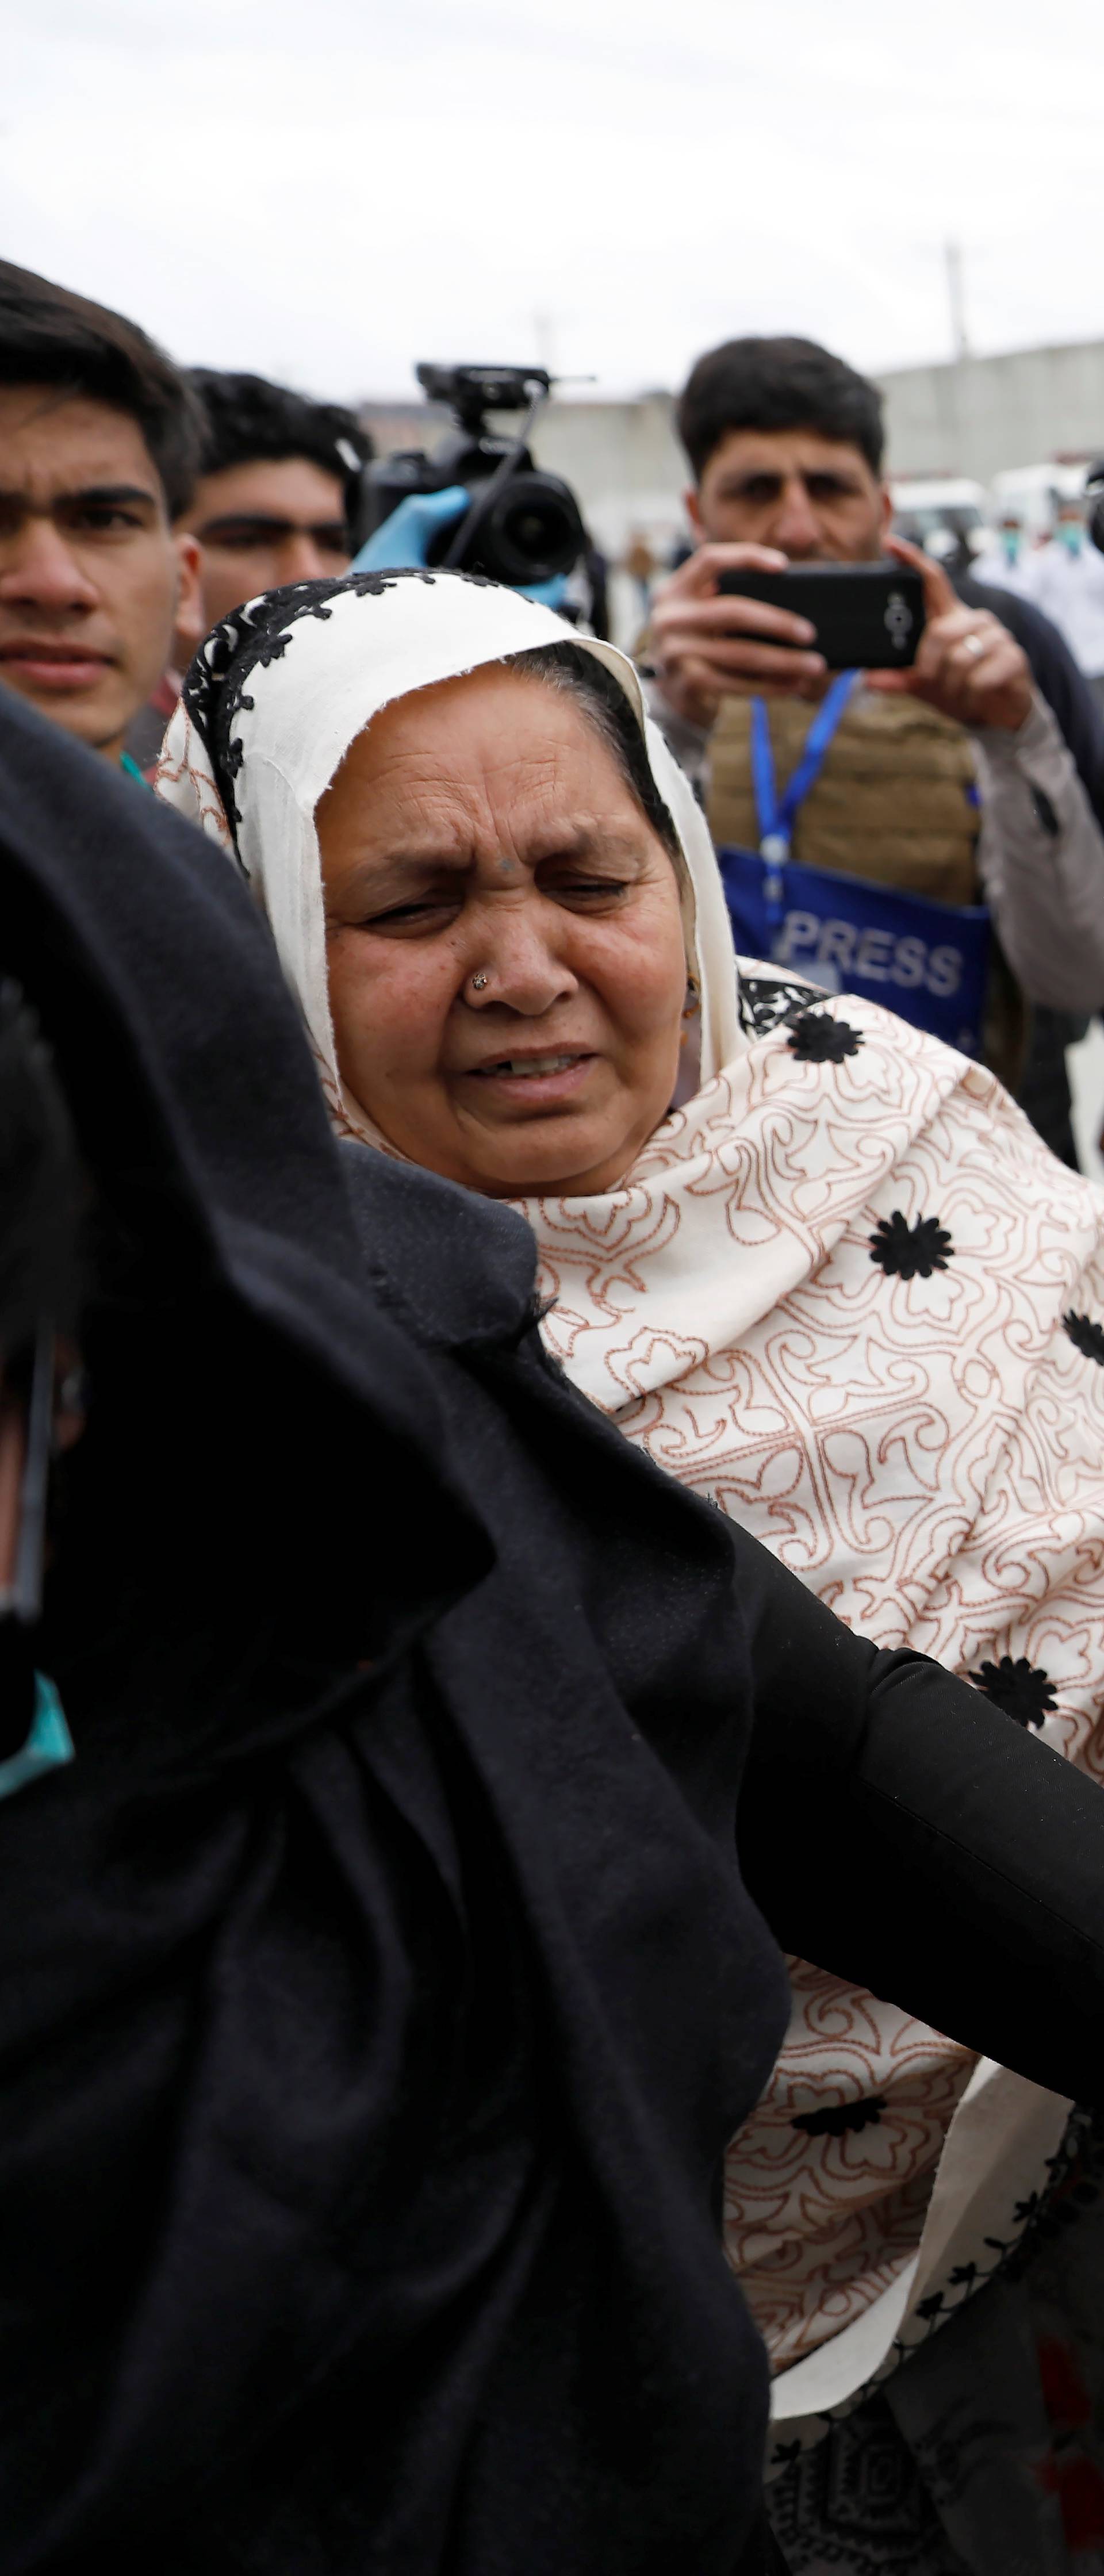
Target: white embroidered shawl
[{"x": 856, "y": 1302}]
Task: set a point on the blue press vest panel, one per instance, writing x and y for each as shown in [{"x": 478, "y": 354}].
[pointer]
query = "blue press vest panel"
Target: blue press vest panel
[{"x": 927, "y": 961}]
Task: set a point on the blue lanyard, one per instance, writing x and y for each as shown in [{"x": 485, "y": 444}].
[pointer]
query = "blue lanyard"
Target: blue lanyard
[{"x": 775, "y": 820}]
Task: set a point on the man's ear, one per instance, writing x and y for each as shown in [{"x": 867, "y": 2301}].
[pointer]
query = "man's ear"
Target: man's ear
[
  {"x": 191, "y": 624},
  {"x": 693, "y": 513},
  {"x": 887, "y": 511}
]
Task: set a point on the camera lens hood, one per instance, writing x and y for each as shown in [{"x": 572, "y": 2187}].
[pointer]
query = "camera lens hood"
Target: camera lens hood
[{"x": 531, "y": 532}]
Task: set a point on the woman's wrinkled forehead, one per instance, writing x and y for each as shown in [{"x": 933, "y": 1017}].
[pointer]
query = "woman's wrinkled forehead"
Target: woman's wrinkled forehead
[
  {"x": 500, "y": 766},
  {"x": 295, "y": 676},
  {"x": 280, "y": 690},
  {"x": 502, "y": 712}
]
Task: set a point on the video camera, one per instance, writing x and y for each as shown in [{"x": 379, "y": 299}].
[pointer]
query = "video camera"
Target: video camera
[{"x": 523, "y": 526}]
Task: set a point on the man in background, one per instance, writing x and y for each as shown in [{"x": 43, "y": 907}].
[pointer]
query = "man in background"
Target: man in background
[
  {"x": 1004, "y": 564},
  {"x": 277, "y": 488},
  {"x": 273, "y": 502},
  {"x": 952, "y": 782},
  {"x": 99, "y": 443},
  {"x": 1065, "y": 578}
]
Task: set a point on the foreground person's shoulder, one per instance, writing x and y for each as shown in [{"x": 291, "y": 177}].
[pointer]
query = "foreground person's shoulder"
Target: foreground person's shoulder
[{"x": 458, "y": 1268}]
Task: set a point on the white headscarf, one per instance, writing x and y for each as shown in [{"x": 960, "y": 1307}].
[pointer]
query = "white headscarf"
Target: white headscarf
[{"x": 282, "y": 687}]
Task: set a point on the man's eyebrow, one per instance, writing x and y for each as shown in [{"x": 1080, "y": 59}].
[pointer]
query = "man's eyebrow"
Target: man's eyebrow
[
  {"x": 272, "y": 522},
  {"x": 109, "y": 492},
  {"x": 98, "y": 492},
  {"x": 740, "y": 478}
]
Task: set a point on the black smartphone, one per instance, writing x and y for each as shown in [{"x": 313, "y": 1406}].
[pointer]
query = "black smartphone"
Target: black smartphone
[{"x": 868, "y": 616}]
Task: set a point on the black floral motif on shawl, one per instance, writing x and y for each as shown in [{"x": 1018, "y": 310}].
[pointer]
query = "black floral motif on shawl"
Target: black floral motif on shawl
[
  {"x": 910, "y": 1251},
  {"x": 1087, "y": 1336},
  {"x": 765, "y": 1001},
  {"x": 816, "y": 1038},
  {"x": 1023, "y": 1690},
  {"x": 215, "y": 691},
  {"x": 839, "y": 2117}
]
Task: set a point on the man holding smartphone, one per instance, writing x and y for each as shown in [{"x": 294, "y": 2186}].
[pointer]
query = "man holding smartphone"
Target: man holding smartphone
[{"x": 950, "y": 781}]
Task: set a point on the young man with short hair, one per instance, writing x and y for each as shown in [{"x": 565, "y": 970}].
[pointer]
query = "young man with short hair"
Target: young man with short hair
[
  {"x": 99, "y": 442},
  {"x": 276, "y": 491},
  {"x": 950, "y": 781}
]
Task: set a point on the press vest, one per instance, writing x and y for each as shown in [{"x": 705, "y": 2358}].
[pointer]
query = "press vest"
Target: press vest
[{"x": 895, "y": 801}]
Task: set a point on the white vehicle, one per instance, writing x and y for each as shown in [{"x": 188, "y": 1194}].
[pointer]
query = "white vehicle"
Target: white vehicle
[{"x": 944, "y": 513}]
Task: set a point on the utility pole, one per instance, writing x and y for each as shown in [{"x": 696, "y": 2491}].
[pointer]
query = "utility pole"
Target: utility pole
[
  {"x": 544, "y": 332},
  {"x": 960, "y": 345}
]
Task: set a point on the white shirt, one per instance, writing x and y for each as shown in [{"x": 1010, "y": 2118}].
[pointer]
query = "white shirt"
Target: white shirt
[
  {"x": 1004, "y": 572},
  {"x": 1069, "y": 588}
]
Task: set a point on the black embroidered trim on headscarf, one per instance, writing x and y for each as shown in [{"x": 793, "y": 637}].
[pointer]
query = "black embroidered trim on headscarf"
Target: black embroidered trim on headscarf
[
  {"x": 252, "y": 638},
  {"x": 765, "y": 1001}
]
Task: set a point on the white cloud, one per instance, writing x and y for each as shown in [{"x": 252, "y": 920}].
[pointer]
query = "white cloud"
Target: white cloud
[{"x": 330, "y": 193}]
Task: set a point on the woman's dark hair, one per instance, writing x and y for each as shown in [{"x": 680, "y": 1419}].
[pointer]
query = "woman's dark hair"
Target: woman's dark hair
[
  {"x": 602, "y": 700},
  {"x": 49, "y": 336},
  {"x": 246, "y": 417},
  {"x": 777, "y": 384}
]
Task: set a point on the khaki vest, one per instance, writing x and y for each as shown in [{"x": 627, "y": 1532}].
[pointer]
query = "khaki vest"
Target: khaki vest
[{"x": 893, "y": 801}]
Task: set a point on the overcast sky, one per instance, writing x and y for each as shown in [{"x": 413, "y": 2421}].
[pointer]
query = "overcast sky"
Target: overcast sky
[{"x": 327, "y": 190}]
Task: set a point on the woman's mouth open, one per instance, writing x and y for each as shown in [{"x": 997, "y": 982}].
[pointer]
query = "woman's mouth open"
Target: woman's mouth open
[{"x": 534, "y": 1081}]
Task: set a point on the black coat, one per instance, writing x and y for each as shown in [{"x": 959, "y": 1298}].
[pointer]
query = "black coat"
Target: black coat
[
  {"x": 379, "y": 1992},
  {"x": 380, "y": 1983},
  {"x": 1056, "y": 675}
]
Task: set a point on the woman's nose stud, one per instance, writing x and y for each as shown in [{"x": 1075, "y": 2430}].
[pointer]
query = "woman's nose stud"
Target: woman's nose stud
[{"x": 479, "y": 983}]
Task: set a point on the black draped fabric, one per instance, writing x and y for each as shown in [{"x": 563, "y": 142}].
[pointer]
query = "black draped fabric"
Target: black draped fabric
[
  {"x": 1055, "y": 673},
  {"x": 378, "y": 1985},
  {"x": 378, "y": 1988}
]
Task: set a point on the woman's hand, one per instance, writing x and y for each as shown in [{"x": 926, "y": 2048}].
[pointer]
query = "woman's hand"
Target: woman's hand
[
  {"x": 704, "y": 647},
  {"x": 967, "y": 665}
]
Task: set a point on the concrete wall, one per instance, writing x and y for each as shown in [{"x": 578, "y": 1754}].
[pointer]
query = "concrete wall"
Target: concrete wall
[
  {"x": 987, "y": 413},
  {"x": 623, "y": 456}
]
